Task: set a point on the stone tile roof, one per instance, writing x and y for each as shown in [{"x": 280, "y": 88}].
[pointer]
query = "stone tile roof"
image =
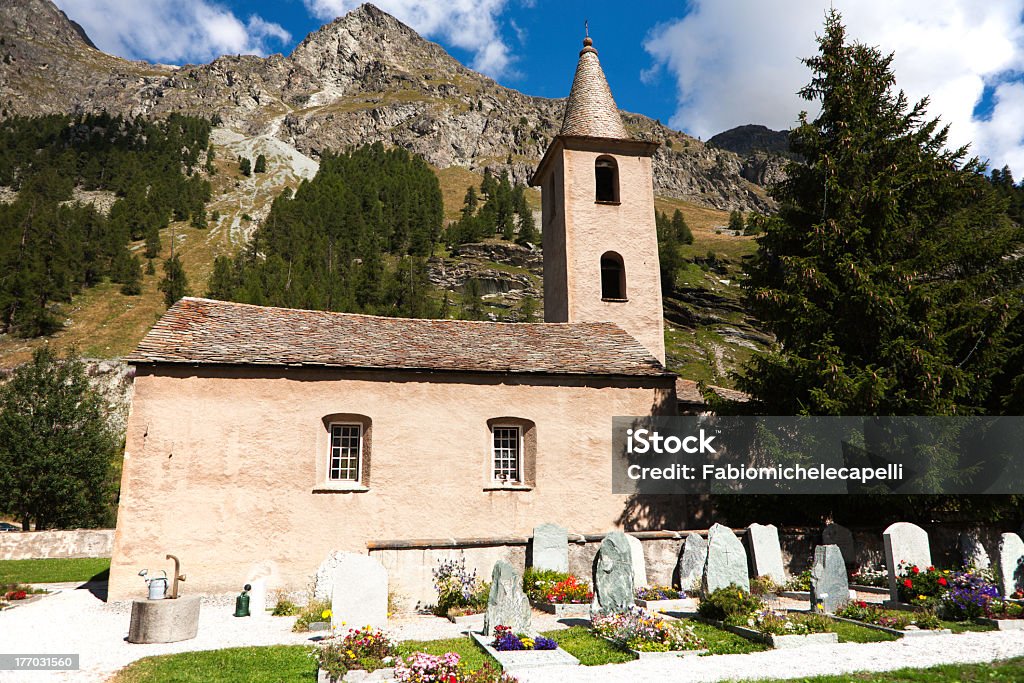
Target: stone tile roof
[
  {"x": 590, "y": 110},
  {"x": 203, "y": 331}
]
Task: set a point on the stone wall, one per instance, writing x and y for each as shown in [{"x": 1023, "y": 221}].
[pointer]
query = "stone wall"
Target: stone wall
[{"x": 30, "y": 545}]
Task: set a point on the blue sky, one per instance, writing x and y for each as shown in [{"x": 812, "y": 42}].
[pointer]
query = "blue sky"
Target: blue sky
[{"x": 699, "y": 65}]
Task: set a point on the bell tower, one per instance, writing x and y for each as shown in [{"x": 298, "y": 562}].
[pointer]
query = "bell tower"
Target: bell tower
[{"x": 600, "y": 240}]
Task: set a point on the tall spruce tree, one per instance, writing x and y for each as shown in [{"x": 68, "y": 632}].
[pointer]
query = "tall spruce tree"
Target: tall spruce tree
[
  {"x": 174, "y": 284},
  {"x": 888, "y": 275},
  {"x": 56, "y": 448}
]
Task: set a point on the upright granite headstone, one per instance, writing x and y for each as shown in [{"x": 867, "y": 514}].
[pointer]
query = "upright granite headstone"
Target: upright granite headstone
[
  {"x": 551, "y": 548},
  {"x": 830, "y": 587},
  {"x": 766, "y": 551},
  {"x": 360, "y": 595},
  {"x": 837, "y": 534},
  {"x": 636, "y": 553},
  {"x": 972, "y": 552},
  {"x": 1010, "y": 565},
  {"x": 907, "y": 543},
  {"x": 727, "y": 561},
  {"x": 613, "y": 575},
  {"x": 507, "y": 604},
  {"x": 692, "y": 561}
]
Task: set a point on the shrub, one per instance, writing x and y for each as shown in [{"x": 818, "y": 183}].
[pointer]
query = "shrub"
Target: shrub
[
  {"x": 456, "y": 586},
  {"x": 800, "y": 582},
  {"x": 729, "y": 602},
  {"x": 870, "y": 576},
  {"x": 921, "y": 587},
  {"x": 764, "y": 585},
  {"x": 285, "y": 608}
]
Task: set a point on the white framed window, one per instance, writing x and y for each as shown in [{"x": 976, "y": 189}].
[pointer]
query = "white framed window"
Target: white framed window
[
  {"x": 507, "y": 453},
  {"x": 345, "y": 454}
]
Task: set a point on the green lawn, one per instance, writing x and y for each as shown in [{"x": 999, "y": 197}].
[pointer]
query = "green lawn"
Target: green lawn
[
  {"x": 1009, "y": 670},
  {"x": 276, "y": 664},
  {"x": 851, "y": 633},
  {"x": 54, "y": 571},
  {"x": 588, "y": 648}
]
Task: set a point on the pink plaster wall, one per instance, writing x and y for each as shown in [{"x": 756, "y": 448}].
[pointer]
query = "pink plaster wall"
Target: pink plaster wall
[
  {"x": 221, "y": 465},
  {"x": 579, "y": 230}
]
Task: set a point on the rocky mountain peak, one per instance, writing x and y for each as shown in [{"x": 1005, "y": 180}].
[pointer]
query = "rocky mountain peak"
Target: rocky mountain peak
[{"x": 41, "y": 20}]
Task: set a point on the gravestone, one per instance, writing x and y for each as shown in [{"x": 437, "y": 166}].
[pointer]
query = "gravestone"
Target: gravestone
[
  {"x": 829, "y": 584},
  {"x": 1010, "y": 564},
  {"x": 907, "y": 543},
  {"x": 551, "y": 548},
  {"x": 727, "y": 561},
  {"x": 636, "y": 553},
  {"x": 837, "y": 534},
  {"x": 258, "y": 597},
  {"x": 972, "y": 552},
  {"x": 613, "y": 575},
  {"x": 766, "y": 552},
  {"x": 507, "y": 604},
  {"x": 360, "y": 596},
  {"x": 692, "y": 561}
]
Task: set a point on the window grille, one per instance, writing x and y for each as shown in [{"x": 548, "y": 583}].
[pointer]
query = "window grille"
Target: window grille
[
  {"x": 506, "y": 449},
  {"x": 346, "y": 449}
]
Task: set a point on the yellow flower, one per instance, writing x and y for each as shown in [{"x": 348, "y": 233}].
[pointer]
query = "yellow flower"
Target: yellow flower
[
  {"x": 326, "y": 614},
  {"x": 921, "y": 597}
]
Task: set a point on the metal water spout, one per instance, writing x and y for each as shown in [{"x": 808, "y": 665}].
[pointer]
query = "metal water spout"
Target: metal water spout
[{"x": 178, "y": 576}]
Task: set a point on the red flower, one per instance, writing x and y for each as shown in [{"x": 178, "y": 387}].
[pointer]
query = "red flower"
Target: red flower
[
  {"x": 908, "y": 583},
  {"x": 942, "y": 582},
  {"x": 931, "y": 569},
  {"x": 915, "y": 569},
  {"x": 452, "y": 679}
]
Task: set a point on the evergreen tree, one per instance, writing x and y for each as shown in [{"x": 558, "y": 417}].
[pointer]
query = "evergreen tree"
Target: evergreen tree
[
  {"x": 153, "y": 244},
  {"x": 669, "y": 258},
  {"x": 56, "y": 448},
  {"x": 174, "y": 284},
  {"x": 222, "y": 281},
  {"x": 150, "y": 268},
  {"x": 472, "y": 303},
  {"x": 681, "y": 230},
  {"x": 736, "y": 222},
  {"x": 887, "y": 276},
  {"x": 527, "y": 309},
  {"x": 132, "y": 281},
  {"x": 245, "y": 166},
  {"x": 260, "y": 165}
]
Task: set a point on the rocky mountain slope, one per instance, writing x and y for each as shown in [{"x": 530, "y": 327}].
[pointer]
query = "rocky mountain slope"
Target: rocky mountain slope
[{"x": 364, "y": 77}]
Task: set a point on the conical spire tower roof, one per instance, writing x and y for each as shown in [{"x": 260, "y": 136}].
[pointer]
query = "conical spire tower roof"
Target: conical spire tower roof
[{"x": 590, "y": 110}]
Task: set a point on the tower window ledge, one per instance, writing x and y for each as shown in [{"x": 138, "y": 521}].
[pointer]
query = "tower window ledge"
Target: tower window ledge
[
  {"x": 617, "y": 301},
  {"x": 608, "y": 202}
]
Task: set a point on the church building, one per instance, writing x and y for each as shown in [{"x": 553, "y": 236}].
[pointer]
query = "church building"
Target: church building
[{"x": 272, "y": 437}]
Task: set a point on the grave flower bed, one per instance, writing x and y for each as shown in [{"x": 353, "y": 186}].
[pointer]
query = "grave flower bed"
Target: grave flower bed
[
  {"x": 895, "y": 620},
  {"x": 423, "y": 668},
  {"x": 1004, "y": 615},
  {"x": 507, "y": 641},
  {"x": 921, "y": 587},
  {"x": 364, "y": 649},
  {"x": 872, "y": 577},
  {"x": 558, "y": 593},
  {"x": 459, "y": 592},
  {"x": 641, "y": 631},
  {"x": 662, "y": 599},
  {"x": 778, "y": 623},
  {"x": 967, "y": 596}
]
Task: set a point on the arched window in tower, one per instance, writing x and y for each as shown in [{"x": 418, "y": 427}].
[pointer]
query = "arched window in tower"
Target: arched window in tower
[
  {"x": 606, "y": 176},
  {"x": 613, "y": 277}
]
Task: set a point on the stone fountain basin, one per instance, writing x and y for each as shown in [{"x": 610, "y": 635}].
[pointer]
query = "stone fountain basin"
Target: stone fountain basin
[{"x": 164, "y": 621}]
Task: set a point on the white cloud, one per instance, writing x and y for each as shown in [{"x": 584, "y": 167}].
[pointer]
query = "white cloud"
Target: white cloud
[
  {"x": 471, "y": 25},
  {"x": 172, "y": 31},
  {"x": 737, "y": 62}
]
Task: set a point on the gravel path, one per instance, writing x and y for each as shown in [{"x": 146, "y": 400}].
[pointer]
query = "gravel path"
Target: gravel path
[{"x": 75, "y": 621}]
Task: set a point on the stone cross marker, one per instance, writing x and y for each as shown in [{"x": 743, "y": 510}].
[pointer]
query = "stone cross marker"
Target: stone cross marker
[
  {"x": 837, "y": 534},
  {"x": 727, "y": 561},
  {"x": 507, "y": 604},
  {"x": 613, "y": 575},
  {"x": 692, "y": 561},
  {"x": 1011, "y": 564},
  {"x": 551, "y": 548},
  {"x": 908, "y": 543},
  {"x": 360, "y": 595},
  {"x": 766, "y": 551},
  {"x": 972, "y": 552},
  {"x": 829, "y": 584},
  {"x": 636, "y": 550}
]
